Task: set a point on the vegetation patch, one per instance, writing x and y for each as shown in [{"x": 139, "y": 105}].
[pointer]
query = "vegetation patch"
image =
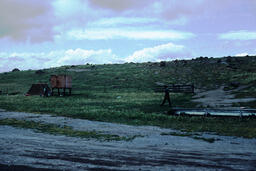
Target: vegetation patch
[
  {"x": 177, "y": 134},
  {"x": 63, "y": 130},
  {"x": 209, "y": 140},
  {"x": 195, "y": 136}
]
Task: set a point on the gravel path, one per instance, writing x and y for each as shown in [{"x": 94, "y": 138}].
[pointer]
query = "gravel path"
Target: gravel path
[{"x": 26, "y": 148}]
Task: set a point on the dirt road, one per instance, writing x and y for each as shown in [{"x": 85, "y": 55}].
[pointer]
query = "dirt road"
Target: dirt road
[{"x": 25, "y": 148}]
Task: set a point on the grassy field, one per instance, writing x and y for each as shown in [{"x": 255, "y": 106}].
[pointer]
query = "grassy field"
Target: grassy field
[{"x": 124, "y": 93}]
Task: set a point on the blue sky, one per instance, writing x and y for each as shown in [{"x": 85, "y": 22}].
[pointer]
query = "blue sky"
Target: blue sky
[{"x": 37, "y": 34}]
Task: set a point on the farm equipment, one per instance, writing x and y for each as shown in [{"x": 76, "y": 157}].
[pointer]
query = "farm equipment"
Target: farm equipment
[{"x": 214, "y": 112}]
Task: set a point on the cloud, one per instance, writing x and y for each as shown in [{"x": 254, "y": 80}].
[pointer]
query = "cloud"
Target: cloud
[
  {"x": 76, "y": 12},
  {"x": 168, "y": 9},
  {"x": 128, "y": 33},
  {"x": 174, "y": 9},
  {"x": 120, "y": 5},
  {"x": 244, "y": 54},
  {"x": 176, "y": 12},
  {"x": 26, "y": 20},
  {"x": 41, "y": 60},
  {"x": 134, "y": 22},
  {"x": 163, "y": 52},
  {"x": 241, "y": 54},
  {"x": 10, "y": 61},
  {"x": 238, "y": 35},
  {"x": 81, "y": 56},
  {"x": 122, "y": 21}
]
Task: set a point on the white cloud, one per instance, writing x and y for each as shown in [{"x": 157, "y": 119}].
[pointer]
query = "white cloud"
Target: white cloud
[
  {"x": 239, "y": 35},
  {"x": 163, "y": 52},
  {"x": 78, "y": 56},
  {"x": 128, "y": 33},
  {"x": 22, "y": 61},
  {"x": 136, "y": 22},
  {"x": 81, "y": 56},
  {"x": 241, "y": 54},
  {"x": 244, "y": 54}
]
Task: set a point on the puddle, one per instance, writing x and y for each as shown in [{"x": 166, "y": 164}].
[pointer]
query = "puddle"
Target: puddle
[{"x": 24, "y": 147}]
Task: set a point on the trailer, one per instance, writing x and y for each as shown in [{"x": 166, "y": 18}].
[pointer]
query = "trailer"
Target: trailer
[
  {"x": 61, "y": 82},
  {"x": 214, "y": 112}
]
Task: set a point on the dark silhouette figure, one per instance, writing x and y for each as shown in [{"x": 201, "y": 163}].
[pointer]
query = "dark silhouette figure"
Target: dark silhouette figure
[
  {"x": 166, "y": 96},
  {"x": 45, "y": 92}
]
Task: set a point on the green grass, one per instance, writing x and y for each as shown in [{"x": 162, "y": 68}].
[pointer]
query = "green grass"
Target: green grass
[
  {"x": 63, "y": 130},
  {"x": 123, "y": 93},
  {"x": 177, "y": 134},
  {"x": 133, "y": 113}
]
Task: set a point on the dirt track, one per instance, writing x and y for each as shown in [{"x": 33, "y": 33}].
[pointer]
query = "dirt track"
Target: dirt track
[
  {"x": 24, "y": 148},
  {"x": 219, "y": 98}
]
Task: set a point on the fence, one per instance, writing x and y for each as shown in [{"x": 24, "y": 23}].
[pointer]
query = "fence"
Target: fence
[{"x": 178, "y": 88}]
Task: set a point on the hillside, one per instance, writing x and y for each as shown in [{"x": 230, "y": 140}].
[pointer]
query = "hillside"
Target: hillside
[
  {"x": 204, "y": 73},
  {"x": 233, "y": 73},
  {"x": 124, "y": 93}
]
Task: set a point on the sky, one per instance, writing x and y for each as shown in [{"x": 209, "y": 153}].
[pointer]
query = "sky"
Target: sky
[{"x": 36, "y": 34}]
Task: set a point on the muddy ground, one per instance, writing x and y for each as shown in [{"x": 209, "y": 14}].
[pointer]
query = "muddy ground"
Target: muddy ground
[
  {"x": 219, "y": 98},
  {"x": 26, "y": 149}
]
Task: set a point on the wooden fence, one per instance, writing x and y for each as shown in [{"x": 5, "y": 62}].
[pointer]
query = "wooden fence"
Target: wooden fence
[{"x": 176, "y": 88}]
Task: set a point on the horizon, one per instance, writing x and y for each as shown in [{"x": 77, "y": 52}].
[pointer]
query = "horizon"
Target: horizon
[
  {"x": 53, "y": 33},
  {"x": 183, "y": 59}
]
